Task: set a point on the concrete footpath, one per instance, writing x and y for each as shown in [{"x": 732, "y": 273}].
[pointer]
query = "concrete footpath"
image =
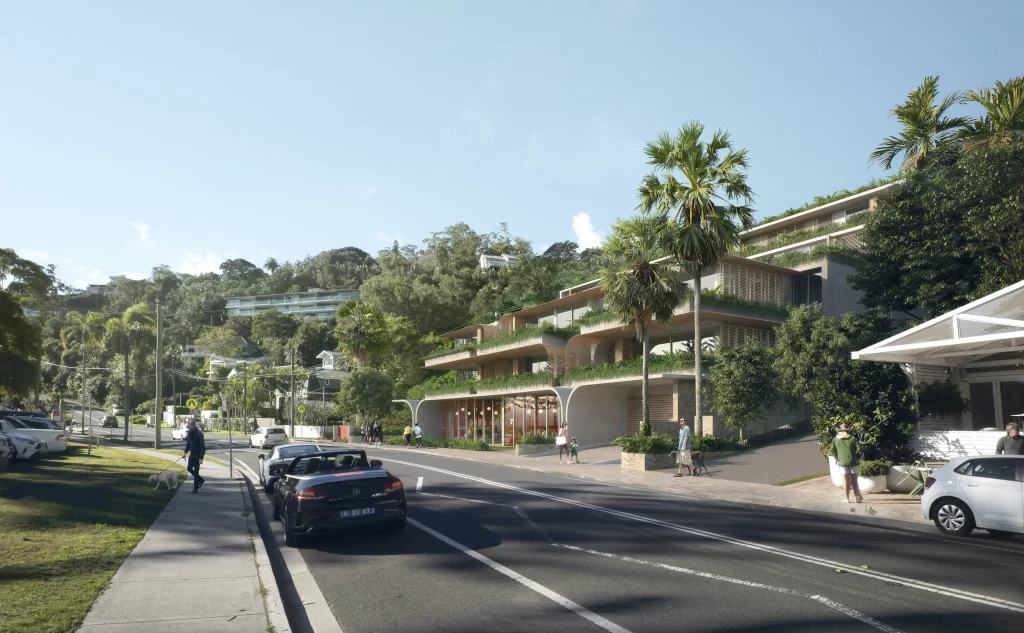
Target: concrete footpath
[
  {"x": 602, "y": 465},
  {"x": 195, "y": 569}
]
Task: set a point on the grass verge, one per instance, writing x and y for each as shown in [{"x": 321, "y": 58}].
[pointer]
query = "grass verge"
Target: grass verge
[
  {"x": 69, "y": 521},
  {"x": 177, "y": 452},
  {"x": 799, "y": 479}
]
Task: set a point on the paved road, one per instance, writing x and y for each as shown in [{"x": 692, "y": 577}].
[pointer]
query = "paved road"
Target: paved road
[{"x": 499, "y": 549}]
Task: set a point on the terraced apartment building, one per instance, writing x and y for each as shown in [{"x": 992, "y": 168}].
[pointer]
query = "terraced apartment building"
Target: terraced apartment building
[{"x": 570, "y": 360}]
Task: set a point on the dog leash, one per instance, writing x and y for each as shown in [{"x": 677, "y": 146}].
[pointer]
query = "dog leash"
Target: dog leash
[{"x": 169, "y": 465}]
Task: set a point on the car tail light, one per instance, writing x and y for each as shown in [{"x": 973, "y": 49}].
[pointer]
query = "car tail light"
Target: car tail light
[
  {"x": 309, "y": 494},
  {"x": 928, "y": 482},
  {"x": 391, "y": 486},
  {"x": 60, "y": 438},
  {"x": 266, "y": 436}
]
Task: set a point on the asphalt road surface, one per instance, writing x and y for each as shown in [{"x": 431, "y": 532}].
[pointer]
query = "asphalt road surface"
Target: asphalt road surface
[{"x": 499, "y": 549}]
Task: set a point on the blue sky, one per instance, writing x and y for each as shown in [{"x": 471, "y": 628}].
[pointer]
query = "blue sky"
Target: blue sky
[{"x": 137, "y": 134}]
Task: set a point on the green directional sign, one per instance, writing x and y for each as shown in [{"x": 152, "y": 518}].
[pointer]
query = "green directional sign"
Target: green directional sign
[
  {"x": 192, "y": 403},
  {"x": 302, "y": 408}
]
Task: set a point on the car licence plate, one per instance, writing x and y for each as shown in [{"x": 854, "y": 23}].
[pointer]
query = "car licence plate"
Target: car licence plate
[{"x": 358, "y": 512}]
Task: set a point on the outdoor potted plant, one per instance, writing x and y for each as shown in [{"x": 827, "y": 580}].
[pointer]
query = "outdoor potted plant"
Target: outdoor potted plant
[
  {"x": 872, "y": 476},
  {"x": 646, "y": 452},
  {"x": 906, "y": 463}
]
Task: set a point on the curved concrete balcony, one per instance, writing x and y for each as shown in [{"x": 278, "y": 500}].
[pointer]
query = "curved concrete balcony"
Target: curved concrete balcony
[{"x": 544, "y": 343}]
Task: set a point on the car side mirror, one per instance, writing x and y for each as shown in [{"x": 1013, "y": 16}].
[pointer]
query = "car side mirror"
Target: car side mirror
[
  {"x": 261, "y": 456},
  {"x": 376, "y": 463}
]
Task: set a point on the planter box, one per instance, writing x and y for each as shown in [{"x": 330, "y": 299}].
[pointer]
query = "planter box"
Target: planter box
[
  {"x": 647, "y": 461},
  {"x": 871, "y": 485},
  {"x": 535, "y": 449},
  {"x": 899, "y": 479}
]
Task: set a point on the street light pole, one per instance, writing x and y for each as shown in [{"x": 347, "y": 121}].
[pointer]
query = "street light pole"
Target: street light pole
[
  {"x": 291, "y": 401},
  {"x": 158, "y": 402}
]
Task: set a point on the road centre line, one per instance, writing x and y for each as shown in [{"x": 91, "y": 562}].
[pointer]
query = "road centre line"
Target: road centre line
[
  {"x": 581, "y": 611},
  {"x": 866, "y": 619},
  {"x": 821, "y": 562}
]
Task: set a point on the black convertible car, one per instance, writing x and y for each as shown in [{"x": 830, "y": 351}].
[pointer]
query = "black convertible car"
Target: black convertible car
[{"x": 331, "y": 491}]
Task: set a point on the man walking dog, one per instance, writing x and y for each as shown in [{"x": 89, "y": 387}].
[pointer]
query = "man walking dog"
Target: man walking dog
[
  {"x": 683, "y": 449},
  {"x": 195, "y": 448}
]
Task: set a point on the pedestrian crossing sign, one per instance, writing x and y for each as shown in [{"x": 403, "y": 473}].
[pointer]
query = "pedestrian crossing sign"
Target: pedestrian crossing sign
[
  {"x": 192, "y": 403},
  {"x": 302, "y": 408}
]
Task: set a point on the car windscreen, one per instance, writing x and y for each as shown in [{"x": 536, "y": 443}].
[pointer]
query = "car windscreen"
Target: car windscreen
[
  {"x": 274, "y": 431},
  {"x": 293, "y": 451},
  {"x": 332, "y": 463}
]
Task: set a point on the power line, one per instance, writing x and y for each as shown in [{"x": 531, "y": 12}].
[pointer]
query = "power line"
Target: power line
[{"x": 44, "y": 362}]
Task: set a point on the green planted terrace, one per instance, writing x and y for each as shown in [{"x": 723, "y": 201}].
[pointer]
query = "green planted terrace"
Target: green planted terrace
[
  {"x": 513, "y": 381},
  {"x": 509, "y": 338},
  {"x": 832, "y": 197},
  {"x": 799, "y": 236},
  {"x": 658, "y": 364},
  {"x": 839, "y": 253},
  {"x": 712, "y": 298}
]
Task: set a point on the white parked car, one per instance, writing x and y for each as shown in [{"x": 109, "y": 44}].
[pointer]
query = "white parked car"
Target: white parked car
[
  {"x": 25, "y": 446},
  {"x": 53, "y": 440},
  {"x": 268, "y": 436},
  {"x": 984, "y": 492},
  {"x": 180, "y": 433}
]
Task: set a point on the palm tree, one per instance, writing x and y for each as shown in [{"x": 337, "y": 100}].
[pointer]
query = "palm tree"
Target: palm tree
[
  {"x": 271, "y": 265},
  {"x": 641, "y": 285},
  {"x": 126, "y": 333},
  {"x": 708, "y": 207},
  {"x": 925, "y": 126},
  {"x": 360, "y": 331},
  {"x": 89, "y": 328},
  {"x": 1004, "y": 114}
]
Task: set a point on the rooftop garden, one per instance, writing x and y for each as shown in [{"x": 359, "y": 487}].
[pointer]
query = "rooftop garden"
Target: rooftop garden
[
  {"x": 658, "y": 364},
  {"x": 799, "y": 236},
  {"x": 832, "y": 197}
]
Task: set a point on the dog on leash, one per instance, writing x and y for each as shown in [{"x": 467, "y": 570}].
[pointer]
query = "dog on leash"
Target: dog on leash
[
  {"x": 698, "y": 462},
  {"x": 170, "y": 479}
]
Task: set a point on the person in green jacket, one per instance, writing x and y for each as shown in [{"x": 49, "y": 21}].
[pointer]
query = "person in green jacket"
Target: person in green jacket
[{"x": 847, "y": 452}]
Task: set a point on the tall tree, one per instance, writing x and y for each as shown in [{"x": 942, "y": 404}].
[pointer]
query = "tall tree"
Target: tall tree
[
  {"x": 925, "y": 127},
  {"x": 708, "y": 205},
  {"x": 365, "y": 393},
  {"x": 361, "y": 331},
  {"x": 642, "y": 286},
  {"x": 1003, "y": 118},
  {"x": 129, "y": 334},
  {"x": 743, "y": 384},
  {"x": 271, "y": 265},
  {"x": 20, "y": 338}
]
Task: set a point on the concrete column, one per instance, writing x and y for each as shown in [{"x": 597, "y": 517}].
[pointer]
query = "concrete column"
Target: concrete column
[{"x": 479, "y": 334}]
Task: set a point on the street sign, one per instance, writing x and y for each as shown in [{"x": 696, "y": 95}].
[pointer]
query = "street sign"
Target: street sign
[
  {"x": 302, "y": 408},
  {"x": 192, "y": 403},
  {"x": 226, "y": 402}
]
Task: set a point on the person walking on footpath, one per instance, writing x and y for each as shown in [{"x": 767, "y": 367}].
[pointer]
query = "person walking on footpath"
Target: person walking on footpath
[
  {"x": 418, "y": 433},
  {"x": 562, "y": 440},
  {"x": 847, "y": 452},
  {"x": 407, "y": 434},
  {"x": 195, "y": 448},
  {"x": 378, "y": 432},
  {"x": 683, "y": 457},
  {"x": 1012, "y": 443}
]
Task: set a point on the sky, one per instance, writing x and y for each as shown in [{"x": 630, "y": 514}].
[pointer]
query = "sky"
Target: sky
[{"x": 136, "y": 134}]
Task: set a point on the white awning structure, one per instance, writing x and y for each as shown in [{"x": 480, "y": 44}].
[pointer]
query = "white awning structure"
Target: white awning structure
[{"x": 988, "y": 332}]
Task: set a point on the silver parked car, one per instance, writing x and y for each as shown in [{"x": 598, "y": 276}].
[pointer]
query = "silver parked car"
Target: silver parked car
[
  {"x": 984, "y": 492},
  {"x": 271, "y": 466}
]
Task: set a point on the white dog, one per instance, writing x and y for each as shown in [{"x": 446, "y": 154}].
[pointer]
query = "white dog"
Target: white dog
[{"x": 166, "y": 477}]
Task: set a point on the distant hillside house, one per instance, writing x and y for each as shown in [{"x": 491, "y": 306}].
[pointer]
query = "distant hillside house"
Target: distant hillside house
[
  {"x": 198, "y": 350},
  {"x": 317, "y": 303},
  {"x": 498, "y": 261}
]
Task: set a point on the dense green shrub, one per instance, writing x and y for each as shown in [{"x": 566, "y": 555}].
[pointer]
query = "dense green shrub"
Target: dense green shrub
[
  {"x": 535, "y": 439},
  {"x": 512, "y": 381},
  {"x": 875, "y": 468},
  {"x": 137, "y": 419},
  {"x": 709, "y": 443},
  {"x": 653, "y": 443}
]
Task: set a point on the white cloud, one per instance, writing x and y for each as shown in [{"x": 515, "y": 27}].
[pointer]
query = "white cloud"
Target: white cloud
[
  {"x": 586, "y": 236},
  {"x": 133, "y": 275},
  {"x": 143, "y": 242},
  {"x": 194, "y": 264}
]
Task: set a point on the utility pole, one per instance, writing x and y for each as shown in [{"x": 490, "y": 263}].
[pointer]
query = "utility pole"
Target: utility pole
[
  {"x": 83, "y": 377},
  {"x": 291, "y": 401},
  {"x": 158, "y": 402},
  {"x": 245, "y": 396}
]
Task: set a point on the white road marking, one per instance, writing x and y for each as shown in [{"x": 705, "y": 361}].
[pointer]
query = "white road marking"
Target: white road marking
[
  {"x": 517, "y": 509},
  {"x": 239, "y": 463},
  {"x": 768, "y": 549},
  {"x": 581, "y": 611},
  {"x": 419, "y": 484},
  {"x": 746, "y": 583}
]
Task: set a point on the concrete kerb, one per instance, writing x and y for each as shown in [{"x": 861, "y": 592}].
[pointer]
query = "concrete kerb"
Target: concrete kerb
[
  {"x": 272, "y": 603},
  {"x": 850, "y": 511}
]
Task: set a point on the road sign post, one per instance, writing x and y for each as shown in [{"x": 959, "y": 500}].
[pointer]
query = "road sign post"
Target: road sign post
[{"x": 231, "y": 453}]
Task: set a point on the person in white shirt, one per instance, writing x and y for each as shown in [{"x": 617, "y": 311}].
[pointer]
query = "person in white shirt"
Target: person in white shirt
[{"x": 683, "y": 449}]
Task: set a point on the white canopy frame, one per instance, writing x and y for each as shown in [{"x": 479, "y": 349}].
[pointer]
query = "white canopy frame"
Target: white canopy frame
[{"x": 969, "y": 336}]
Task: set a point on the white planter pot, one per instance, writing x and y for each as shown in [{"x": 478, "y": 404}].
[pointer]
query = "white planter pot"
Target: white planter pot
[
  {"x": 899, "y": 479},
  {"x": 871, "y": 485},
  {"x": 833, "y": 470}
]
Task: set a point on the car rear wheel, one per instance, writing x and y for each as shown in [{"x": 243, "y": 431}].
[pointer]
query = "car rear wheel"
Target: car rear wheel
[
  {"x": 291, "y": 539},
  {"x": 953, "y": 517}
]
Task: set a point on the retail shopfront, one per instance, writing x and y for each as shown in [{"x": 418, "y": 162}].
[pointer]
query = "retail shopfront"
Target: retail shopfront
[{"x": 500, "y": 420}]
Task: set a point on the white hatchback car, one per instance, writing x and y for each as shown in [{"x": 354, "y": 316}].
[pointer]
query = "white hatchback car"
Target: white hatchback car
[
  {"x": 985, "y": 492},
  {"x": 268, "y": 436}
]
